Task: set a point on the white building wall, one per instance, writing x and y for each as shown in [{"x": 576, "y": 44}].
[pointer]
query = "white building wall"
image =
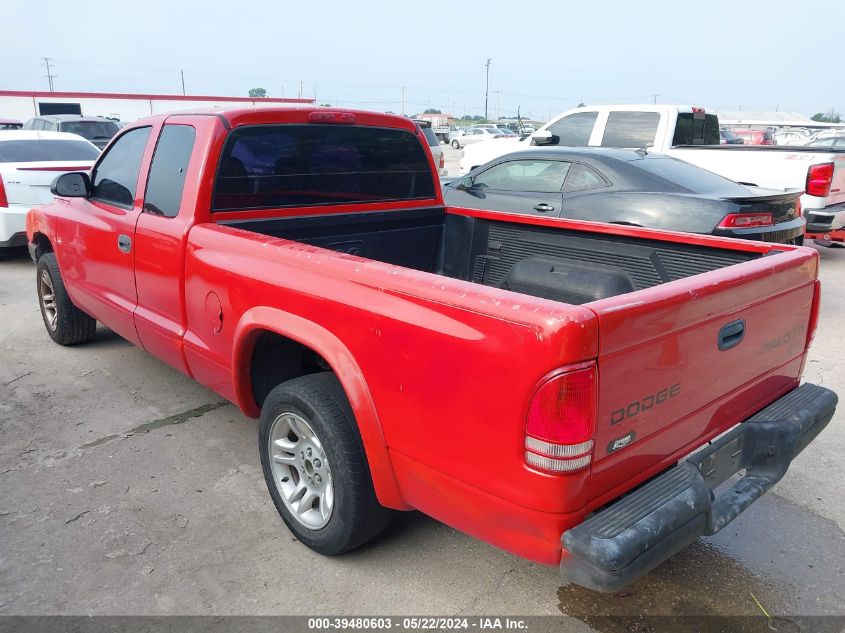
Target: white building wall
[{"x": 127, "y": 110}]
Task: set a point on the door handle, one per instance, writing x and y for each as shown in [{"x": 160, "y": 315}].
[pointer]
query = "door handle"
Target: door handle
[
  {"x": 731, "y": 334},
  {"x": 124, "y": 243},
  {"x": 543, "y": 207}
]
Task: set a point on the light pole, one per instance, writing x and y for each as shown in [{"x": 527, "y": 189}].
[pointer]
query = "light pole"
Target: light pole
[{"x": 487, "y": 89}]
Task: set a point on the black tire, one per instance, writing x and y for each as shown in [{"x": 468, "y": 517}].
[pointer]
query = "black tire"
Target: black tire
[
  {"x": 455, "y": 144},
  {"x": 356, "y": 516},
  {"x": 71, "y": 325}
]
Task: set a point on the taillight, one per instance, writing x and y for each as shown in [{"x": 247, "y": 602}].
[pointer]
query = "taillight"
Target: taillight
[
  {"x": 814, "y": 313},
  {"x": 4, "y": 201},
  {"x": 562, "y": 421},
  {"x": 798, "y": 210},
  {"x": 329, "y": 116},
  {"x": 442, "y": 163},
  {"x": 746, "y": 220},
  {"x": 819, "y": 178}
]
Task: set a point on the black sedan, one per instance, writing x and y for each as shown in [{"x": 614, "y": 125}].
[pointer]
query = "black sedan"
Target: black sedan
[{"x": 629, "y": 187}]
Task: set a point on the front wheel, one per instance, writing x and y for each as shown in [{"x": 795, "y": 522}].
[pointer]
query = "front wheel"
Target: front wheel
[
  {"x": 315, "y": 467},
  {"x": 66, "y": 324}
]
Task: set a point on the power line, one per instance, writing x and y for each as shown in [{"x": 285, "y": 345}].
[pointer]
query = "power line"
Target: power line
[{"x": 50, "y": 76}]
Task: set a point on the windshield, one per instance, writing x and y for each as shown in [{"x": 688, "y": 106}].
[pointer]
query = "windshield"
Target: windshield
[
  {"x": 696, "y": 130},
  {"x": 90, "y": 129},
  {"x": 29, "y": 151},
  {"x": 430, "y": 136}
]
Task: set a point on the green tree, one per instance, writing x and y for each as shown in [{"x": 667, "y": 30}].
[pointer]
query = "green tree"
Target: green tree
[
  {"x": 257, "y": 93},
  {"x": 432, "y": 111},
  {"x": 325, "y": 105},
  {"x": 827, "y": 117}
]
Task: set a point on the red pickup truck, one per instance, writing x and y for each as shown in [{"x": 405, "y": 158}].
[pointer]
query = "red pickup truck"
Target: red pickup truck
[{"x": 572, "y": 392}]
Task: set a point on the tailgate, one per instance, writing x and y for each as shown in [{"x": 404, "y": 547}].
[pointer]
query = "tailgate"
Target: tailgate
[{"x": 685, "y": 361}]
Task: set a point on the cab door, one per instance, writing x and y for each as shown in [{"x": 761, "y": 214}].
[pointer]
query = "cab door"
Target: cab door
[
  {"x": 161, "y": 235},
  {"x": 96, "y": 246}
]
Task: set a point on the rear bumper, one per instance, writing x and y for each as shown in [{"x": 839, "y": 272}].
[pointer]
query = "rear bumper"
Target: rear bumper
[
  {"x": 635, "y": 534},
  {"x": 12, "y": 224},
  {"x": 824, "y": 220}
]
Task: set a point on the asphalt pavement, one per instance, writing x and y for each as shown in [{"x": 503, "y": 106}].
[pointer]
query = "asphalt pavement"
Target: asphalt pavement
[{"x": 126, "y": 488}]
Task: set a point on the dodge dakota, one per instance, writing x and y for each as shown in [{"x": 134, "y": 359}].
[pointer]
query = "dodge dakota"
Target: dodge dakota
[{"x": 572, "y": 392}]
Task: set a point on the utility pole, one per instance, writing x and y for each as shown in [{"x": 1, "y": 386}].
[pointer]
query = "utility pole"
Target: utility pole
[
  {"x": 655, "y": 98},
  {"x": 300, "y": 89},
  {"x": 498, "y": 111},
  {"x": 403, "y": 100},
  {"x": 487, "y": 89},
  {"x": 182, "y": 72},
  {"x": 50, "y": 76}
]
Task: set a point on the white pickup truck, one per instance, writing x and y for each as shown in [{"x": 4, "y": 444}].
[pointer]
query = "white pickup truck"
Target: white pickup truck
[{"x": 692, "y": 135}]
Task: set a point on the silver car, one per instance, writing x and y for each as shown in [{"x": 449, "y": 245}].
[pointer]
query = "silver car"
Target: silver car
[{"x": 434, "y": 145}]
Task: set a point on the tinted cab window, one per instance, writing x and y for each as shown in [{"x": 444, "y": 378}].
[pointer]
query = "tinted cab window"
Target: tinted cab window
[
  {"x": 166, "y": 180},
  {"x": 116, "y": 176},
  {"x": 272, "y": 166},
  {"x": 574, "y": 130},
  {"x": 630, "y": 129}
]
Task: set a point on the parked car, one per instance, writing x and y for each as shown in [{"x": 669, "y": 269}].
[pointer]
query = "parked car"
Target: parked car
[
  {"x": 791, "y": 136},
  {"x": 629, "y": 187},
  {"x": 475, "y": 134},
  {"x": 10, "y": 124},
  {"x": 728, "y": 138},
  {"x": 302, "y": 264},
  {"x": 828, "y": 141},
  {"x": 29, "y": 162},
  {"x": 692, "y": 134},
  {"x": 99, "y": 130},
  {"x": 754, "y": 137},
  {"x": 433, "y": 145}
]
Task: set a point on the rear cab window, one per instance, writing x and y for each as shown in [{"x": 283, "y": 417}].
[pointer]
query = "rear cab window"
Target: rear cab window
[
  {"x": 692, "y": 129},
  {"x": 294, "y": 165}
]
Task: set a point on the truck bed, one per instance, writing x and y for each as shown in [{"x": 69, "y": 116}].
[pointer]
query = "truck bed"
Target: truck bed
[{"x": 571, "y": 266}]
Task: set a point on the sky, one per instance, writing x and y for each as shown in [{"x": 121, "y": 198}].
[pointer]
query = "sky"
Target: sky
[{"x": 545, "y": 56}]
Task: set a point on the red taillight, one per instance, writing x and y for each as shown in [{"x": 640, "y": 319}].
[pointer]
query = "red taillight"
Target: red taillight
[
  {"x": 697, "y": 110},
  {"x": 746, "y": 220},
  {"x": 332, "y": 117},
  {"x": 4, "y": 201},
  {"x": 819, "y": 178},
  {"x": 442, "y": 163},
  {"x": 814, "y": 312},
  {"x": 797, "y": 207},
  {"x": 562, "y": 421}
]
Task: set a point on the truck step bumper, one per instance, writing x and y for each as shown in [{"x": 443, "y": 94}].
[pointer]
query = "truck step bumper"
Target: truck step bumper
[{"x": 635, "y": 534}]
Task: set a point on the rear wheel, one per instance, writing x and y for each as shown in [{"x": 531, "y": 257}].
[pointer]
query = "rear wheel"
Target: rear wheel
[
  {"x": 315, "y": 467},
  {"x": 66, "y": 324}
]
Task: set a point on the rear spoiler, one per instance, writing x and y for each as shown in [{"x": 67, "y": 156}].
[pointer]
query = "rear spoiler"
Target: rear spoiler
[{"x": 788, "y": 196}]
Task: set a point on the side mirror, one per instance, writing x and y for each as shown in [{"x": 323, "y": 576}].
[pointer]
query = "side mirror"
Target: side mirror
[
  {"x": 465, "y": 184},
  {"x": 543, "y": 137},
  {"x": 75, "y": 184}
]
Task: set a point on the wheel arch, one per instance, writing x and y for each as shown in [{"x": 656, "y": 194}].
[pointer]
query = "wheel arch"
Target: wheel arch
[{"x": 259, "y": 321}]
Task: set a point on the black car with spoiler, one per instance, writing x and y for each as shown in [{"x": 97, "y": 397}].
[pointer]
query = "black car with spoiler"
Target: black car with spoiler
[{"x": 632, "y": 187}]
